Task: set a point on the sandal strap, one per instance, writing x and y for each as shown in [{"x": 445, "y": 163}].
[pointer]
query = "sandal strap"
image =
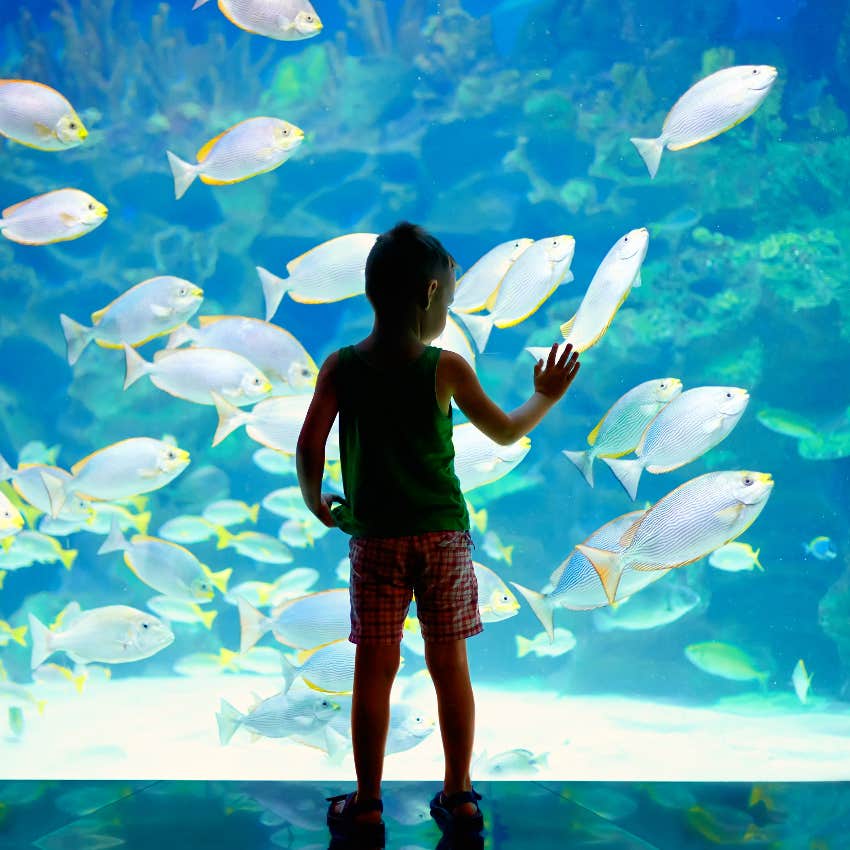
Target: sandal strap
[
  {"x": 452, "y": 801},
  {"x": 355, "y": 806}
]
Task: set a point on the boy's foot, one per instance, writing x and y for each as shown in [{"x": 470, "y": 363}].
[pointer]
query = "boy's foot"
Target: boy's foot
[
  {"x": 459, "y": 811},
  {"x": 350, "y": 818}
]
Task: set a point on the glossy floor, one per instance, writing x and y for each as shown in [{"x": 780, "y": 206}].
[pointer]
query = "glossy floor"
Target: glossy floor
[{"x": 161, "y": 815}]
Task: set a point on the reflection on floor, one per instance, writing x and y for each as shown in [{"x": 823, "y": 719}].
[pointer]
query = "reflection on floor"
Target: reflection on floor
[{"x": 167, "y": 815}]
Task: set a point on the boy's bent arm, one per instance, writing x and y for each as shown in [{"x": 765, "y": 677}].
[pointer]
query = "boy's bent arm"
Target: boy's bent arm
[
  {"x": 550, "y": 383},
  {"x": 310, "y": 450}
]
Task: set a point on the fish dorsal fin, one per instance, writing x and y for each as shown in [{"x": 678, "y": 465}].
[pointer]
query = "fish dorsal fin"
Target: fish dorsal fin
[
  {"x": 204, "y": 321},
  {"x": 10, "y": 210},
  {"x": 98, "y": 314},
  {"x": 491, "y": 298},
  {"x": 567, "y": 326},
  {"x": 594, "y": 434},
  {"x": 204, "y": 152},
  {"x": 629, "y": 534}
]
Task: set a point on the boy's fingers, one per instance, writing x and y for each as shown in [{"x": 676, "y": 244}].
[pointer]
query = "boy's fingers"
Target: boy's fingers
[
  {"x": 550, "y": 361},
  {"x": 565, "y": 354}
]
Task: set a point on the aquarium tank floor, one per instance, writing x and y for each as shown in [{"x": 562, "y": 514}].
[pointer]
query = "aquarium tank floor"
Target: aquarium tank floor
[{"x": 138, "y": 815}]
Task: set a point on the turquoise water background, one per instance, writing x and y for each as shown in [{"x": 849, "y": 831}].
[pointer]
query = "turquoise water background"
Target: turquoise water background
[{"x": 482, "y": 128}]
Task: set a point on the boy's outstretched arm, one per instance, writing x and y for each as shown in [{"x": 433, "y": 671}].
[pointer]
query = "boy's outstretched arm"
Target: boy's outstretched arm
[
  {"x": 551, "y": 381},
  {"x": 310, "y": 450}
]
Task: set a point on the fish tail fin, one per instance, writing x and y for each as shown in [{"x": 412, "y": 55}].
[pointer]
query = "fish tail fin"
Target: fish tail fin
[
  {"x": 185, "y": 333},
  {"x": 199, "y": 3},
  {"x": 115, "y": 540},
  {"x": 756, "y": 560},
  {"x": 274, "y": 288},
  {"x": 135, "y": 366},
  {"x": 254, "y": 512},
  {"x": 523, "y": 646},
  {"x": 207, "y": 618},
  {"x": 3, "y": 574},
  {"x": 229, "y": 719},
  {"x": 41, "y": 642},
  {"x": 56, "y": 492},
  {"x": 19, "y": 635},
  {"x": 67, "y": 557},
  {"x": 253, "y": 624},
  {"x": 508, "y": 554},
  {"x": 224, "y": 537},
  {"x": 77, "y": 337},
  {"x": 290, "y": 673},
  {"x": 479, "y": 327},
  {"x": 608, "y": 566},
  {"x": 334, "y": 470},
  {"x": 542, "y": 607},
  {"x": 6, "y": 471},
  {"x": 477, "y": 518},
  {"x": 583, "y": 462},
  {"x": 30, "y": 514},
  {"x": 141, "y": 521},
  {"x": 184, "y": 174},
  {"x": 627, "y": 472},
  {"x": 218, "y": 580},
  {"x": 650, "y": 151},
  {"x": 230, "y": 417}
]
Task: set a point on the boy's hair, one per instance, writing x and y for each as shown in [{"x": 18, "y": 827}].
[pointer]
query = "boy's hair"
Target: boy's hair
[{"x": 401, "y": 263}]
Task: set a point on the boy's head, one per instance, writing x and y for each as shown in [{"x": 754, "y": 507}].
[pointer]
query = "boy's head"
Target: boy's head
[{"x": 402, "y": 268}]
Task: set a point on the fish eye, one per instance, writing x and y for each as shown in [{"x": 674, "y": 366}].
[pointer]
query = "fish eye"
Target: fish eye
[
  {"x": 748, "y": 481},
  {"x": 182, "y": 290},
  {"x": 7, "y": 514},
  {"x": 625, "y": 239},
  {"x": 309, "y": 19},
  {"x": 728, "y": 395},
  {"x": 144, "y": 625},
  {"x": 755, "y": 70},
  {"x": 73, "y": 125},
  {"x": 171, "y": 455},
  {"x": 91, "y": 206}
]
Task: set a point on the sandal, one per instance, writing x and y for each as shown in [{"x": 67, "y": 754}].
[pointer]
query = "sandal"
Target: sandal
[
  {"x": 344, "y": 825},
  {"x": 442, "y": 810}
]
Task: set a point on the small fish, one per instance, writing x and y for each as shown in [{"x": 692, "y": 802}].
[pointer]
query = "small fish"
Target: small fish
[
  {"x": 57, "y": 216},
  {"x": 17, "y": 694},
  {"x": 274, "y": 351},
  {"x": 187, "y": 529},
  {"x": 273, "y": 461},
  {"x": 683, "y": 430},
  {"x": 786, "y": 422},
  {"x": 801, "y": 681},
  {"x": 273, "y": 422},
  {"x": 656, "y": 606},
  {"x": 37, "y": 116},
  {"x": 227, "y": 512},
  {"x": 735, "y": 557},
  {"x": 30, "y": 482},
  {"x": 283, "y": 20},
  {"x": 145, "y": 311},
  {"x": 166, "y": 567},
  {"x": 618, "y": 272},
  {"x": 246, "y": 149},
  {"x": 481, "y": 282},
  {"x": 175, "y": 610},
  {"x": 331, "y": 271},
  {"x": 278, "y": 716},
  {"x": 821, "y": 548},
  {"x": 563, "y": 641},
  {"x": 302, "y": 623},
  {"x": 208, "y": 663},
  {"x": 516, "y": 762},
  {"x": 708, "y": 108},
  {"x": 493, "y": 546},
  {"x": 11, "y": 520},
  {"x": 301, "y": 532},
  {"x": 286, "y": 502},
  {"x": 685, "y": 525},
  {"x": 290, "y": 585},
  {"x": 480, "y": 460},
  {"x": 112, "y": 634},
  {"x": 194, "y": 373},
  {"x": 9, "y": 633},
  {"x": 495, "y": 600},
  {"x": 620, "y": 429},
  {"x": 56, "y": 674},
  {"x": 328, "y": 668},
  {"x": 725, "y": 660},
  {"x": 257, "y": 546},
  {"x": 33, "y": 547},
  {"x": 36, "y": 451},
  {"x": 528, "y": 283},
  {"x": 103, "y": 513},
  {"x": 262, "y": 659}
]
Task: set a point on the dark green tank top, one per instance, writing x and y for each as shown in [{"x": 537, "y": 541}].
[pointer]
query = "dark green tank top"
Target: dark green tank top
[{"x": 396, "y": 450}]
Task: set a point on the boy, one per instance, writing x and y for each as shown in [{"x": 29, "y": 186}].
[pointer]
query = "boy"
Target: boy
[{"x": 405, "y": 511}]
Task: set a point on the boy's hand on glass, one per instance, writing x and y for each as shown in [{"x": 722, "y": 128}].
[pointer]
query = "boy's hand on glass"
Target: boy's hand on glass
[
  {"x": 553, "y": 379},
  {"x": 323, "y": 512}
]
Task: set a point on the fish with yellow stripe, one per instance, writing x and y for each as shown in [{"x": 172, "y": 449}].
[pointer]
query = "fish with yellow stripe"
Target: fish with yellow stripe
[
  {"x": 246, "y": 149},
  {"x": 57, "y": 216},
  {"x": 38, "y": 116},
  {"x": 282, "y": 20},
  {"x": 328, "y": 668}
]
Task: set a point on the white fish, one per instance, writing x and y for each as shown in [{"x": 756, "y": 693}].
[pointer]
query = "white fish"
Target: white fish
[
  {"x": 167, "y": 567},
  {"x": 112, "y": 634},
  {"x": 735, "y": 557},
  {"x": 291, "y": 584},
  {"x": 708, "y": 108},
  {"x": 56, "y": 216},
  {"x": 174, "y": 610},
  {"x": 11, "y": 520},
  {"x": 609, "y": 288},
  {"x": 328, "y": 668},
  {"x": 274, "y": 351},
  {"x": 480, "y": 460},
  {"x": 195, "y": 373},
  {"x": 331, "y": 271},
  {"x": 286, "y": 502},
  {"x": 229, "y": 512},
  {"x": 271, "y": 460},
  {"x": 454, "y": 339},
  {"x": 562, "y": 641},
  {"x": 187, "y": 529},
  {"x": 147, "y": 310},
  {"x": 516, "y": 762},
  {"x": 801, "y": 681},
  {"x": 119, "y": 471},
  {"x": 251, "y": 147},
  {"x": 274, "y": 422},
  {"x": 302, "y": 531},
  {"x": 278, "y": 716},
  {"x": 495, "y": 600},
  {"x": 37, "y": 116},
  {"x": 689, "y": 522},
  {"x": 480, "y": 283},
  {"x": 284, "y": 20},
  {"x": 207, "y": 663},
  {"x": 493, "y": 546},
  {"x": 33, "y": 547},
  {"x": 620, "y": 429},
  {"x": 531, "y": 279},
  {"x": 302, "y": 623},
  {"x": 29, "y": 483},
  {"x": 659, "y": 605},
  {"x": 256, "y": 545},
  {"x": 688, "y": 427}
]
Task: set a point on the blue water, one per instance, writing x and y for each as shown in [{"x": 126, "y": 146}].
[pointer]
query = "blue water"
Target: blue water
[{"x": 482, "y": 133}]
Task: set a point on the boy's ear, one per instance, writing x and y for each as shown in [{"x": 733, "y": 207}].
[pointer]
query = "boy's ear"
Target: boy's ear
[{"x": 431, "y": 291}]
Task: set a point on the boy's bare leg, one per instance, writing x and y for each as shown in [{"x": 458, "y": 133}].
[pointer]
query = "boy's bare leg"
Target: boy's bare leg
[
  {"x": 447, "y": 664},
  {"x": 375, "y": 667}
]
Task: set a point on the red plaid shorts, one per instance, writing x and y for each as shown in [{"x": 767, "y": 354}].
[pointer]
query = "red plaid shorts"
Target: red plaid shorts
[{"x": 387, "y": 571}]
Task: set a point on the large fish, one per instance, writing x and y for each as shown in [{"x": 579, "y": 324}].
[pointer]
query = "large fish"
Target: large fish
[
  {"x": 481, "y": 282},
  {"x": 689, "y": 522},
  {"x": 57, "y": 216},
  {"x": 36, "y": 115},
  {"x": 480, "y": 460},
  {"x": 708, "y": 108},
  {"x": 283, "y": 20}
]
